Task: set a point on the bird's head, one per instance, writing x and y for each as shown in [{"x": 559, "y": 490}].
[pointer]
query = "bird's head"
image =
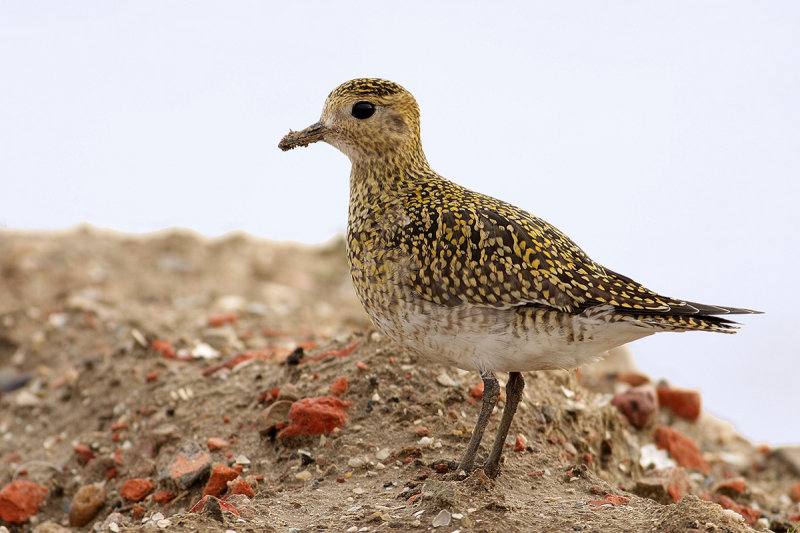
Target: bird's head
[{"x": 368, "y": 119}]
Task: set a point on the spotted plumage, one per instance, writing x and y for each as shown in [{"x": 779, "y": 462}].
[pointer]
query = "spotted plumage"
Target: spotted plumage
[{"x": 466, "y": 279}]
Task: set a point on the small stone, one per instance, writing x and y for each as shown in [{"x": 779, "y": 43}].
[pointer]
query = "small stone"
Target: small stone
[
  {"x": 357, "y": 462},
  {"x": 45, "y": 527},
  {"x": 241, "y": 459},
  {"x": 383, "y": 454},
  {"x": 684, "y": 403},
  {"x": 651, "y": 456},
  {"x": 664, "y": 485},
  {"x": 442, "y": 519},
  {"x": 682, "y": 448},
  {"x": 305, "y": 475},
  {"x": 446, "y": 381},
  {"x": 638, "y": 405},
  {"x": 218, "y": 481},
  {"x": 441, "y": 493},
  {"x": 136, "y": 489},
  {"x": 213, "y": 506},
  {"x": 189, "y": 464},
  {"x": 20, "y": 499},
  {"x": 276, "y": 413},
  {"x": 85, "y": 504},
  {"x": 289, "y": 392},
  {"x": 425, "y": 441},
  {"x": 26, "y": 398},
  {"x": 216, "y": 443}
]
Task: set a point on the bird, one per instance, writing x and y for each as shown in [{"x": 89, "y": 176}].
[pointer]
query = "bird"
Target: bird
[{"x": 468, "y": 280}]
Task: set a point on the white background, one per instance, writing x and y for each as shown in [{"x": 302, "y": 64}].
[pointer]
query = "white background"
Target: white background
[{"x": 663, "y": 137}]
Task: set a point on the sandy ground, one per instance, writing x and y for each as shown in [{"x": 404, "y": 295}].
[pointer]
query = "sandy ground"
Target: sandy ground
[{"x": 118, "y": 351}]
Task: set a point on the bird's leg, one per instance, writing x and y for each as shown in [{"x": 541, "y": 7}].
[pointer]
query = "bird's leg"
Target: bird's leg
[
  {"x": 513, "y": 395},
  {"x": 491, "y": 390}
]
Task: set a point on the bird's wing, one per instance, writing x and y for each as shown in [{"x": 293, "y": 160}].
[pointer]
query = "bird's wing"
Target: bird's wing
[{"x": 501, "y": 256}]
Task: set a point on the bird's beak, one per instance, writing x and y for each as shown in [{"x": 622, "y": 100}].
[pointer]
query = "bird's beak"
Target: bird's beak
[{"x": 313, "y": 133}]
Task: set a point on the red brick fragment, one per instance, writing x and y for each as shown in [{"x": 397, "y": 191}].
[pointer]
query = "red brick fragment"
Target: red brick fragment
[
  {"x": 225, "y": 506},
  {"x": 315, "y": 416},
  {"x": 243, "y": 487},
  {"x": 137, "y": 512},
  {"x": 750, "y": 515},
  {"x": 684, "y": 403},
  {"x": 218, "y": 481},
  {"x": 84, "y": 453},
  {"x": 613, "y": 499},
  {"x": 136, "y": 489},
  {"x": 361, "y": 365},
  {"x": 520, "y": 442},
  {"x": 665, "y": 485},
  {"x": 343, "y": 352},
  {"x": 164, "y": 348},
  {"x": 420, "y": 431},
  {"x": 218, "y": 319},
  {"x": 477, "y": 391},
  {"x": 20, "y": 499},
  {"x": 794, "y": 493},
  {"x": 163, "y": 497},
  {"x": 731, "y": 486},
  {"x": 682, "y": 448},
  {"x": 536, "y": 473},
  {"x": 152, "y": 376},
  {"x": 639, "y": 405},
  {"x": 634, "y": 379},
  {"x": 216, "y": 443},
  {"x": 339, "y": 386}
]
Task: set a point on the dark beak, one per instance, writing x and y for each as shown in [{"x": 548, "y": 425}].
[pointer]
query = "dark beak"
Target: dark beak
[{"x": 313, "y": 133}]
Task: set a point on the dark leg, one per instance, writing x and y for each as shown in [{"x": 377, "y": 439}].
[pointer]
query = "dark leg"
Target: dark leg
[
  {"x": 513, "y": 395},
  {"x": 491, "y": 390}
]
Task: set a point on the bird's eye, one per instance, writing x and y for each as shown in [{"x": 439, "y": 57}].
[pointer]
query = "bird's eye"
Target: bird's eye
[{"x": 363, "y": 110}]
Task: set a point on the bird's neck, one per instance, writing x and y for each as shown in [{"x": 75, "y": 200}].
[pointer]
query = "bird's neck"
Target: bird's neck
[{"x": 383, "y": 178}]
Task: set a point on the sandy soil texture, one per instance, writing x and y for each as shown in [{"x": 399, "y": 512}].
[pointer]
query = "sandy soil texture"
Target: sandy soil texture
[{"x": 139, "y": 373}]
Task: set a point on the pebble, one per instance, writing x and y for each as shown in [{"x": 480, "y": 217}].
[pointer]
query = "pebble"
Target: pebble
[
  {"x": 664, "y": 485},
  {"x": 357, "y": 462},
  {"x": 638, "y": 405},
  {"x": 273, "y": 415},
  {"x": 425, "y": 441},
  {"x": 383, "y": 454},
  {"x": 446, "y": 381},
  {"x": 358, "y": 490},
  {"x": 442, "y": 519},
  {"x": 305, "y": 475},
  {"x": 26, "y": 398},
  {"x": 650, "y": 455},
  {"x": 190, "y": 463},
  {"x": 85, "y": 504}
]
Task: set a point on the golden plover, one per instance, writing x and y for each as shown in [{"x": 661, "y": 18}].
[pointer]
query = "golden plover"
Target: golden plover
[{"x": 468, "y": 280}]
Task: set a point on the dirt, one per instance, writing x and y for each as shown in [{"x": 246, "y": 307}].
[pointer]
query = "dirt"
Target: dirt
[{"x": 90, "y": 398}]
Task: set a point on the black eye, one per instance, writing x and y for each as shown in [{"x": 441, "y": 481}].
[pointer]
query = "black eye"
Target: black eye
[{"x": 362, "y": 110}]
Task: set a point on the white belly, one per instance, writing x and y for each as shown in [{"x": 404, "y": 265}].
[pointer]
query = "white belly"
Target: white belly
[{"x": 505, "y": 340}]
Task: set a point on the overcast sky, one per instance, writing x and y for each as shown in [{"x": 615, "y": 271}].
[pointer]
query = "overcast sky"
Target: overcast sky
[{"x": 664, "y": 138}]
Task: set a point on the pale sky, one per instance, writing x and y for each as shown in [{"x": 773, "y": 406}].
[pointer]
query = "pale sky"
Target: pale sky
[{"x": 664, "y": 138}]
